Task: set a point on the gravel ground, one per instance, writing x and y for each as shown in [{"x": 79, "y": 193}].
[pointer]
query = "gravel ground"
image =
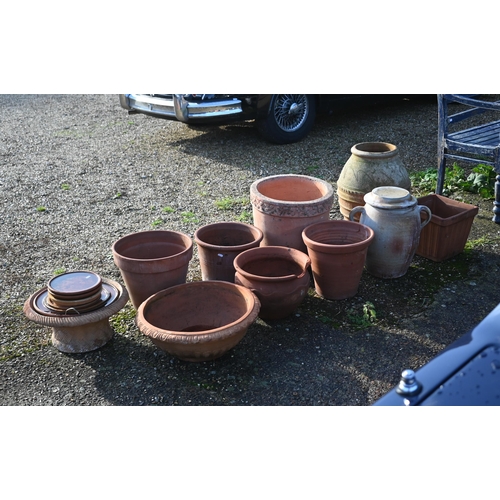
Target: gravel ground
[{"x": 78, "y": 173}]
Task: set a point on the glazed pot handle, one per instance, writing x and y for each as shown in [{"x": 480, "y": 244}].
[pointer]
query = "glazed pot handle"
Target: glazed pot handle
[
  {"x": 354, "y": 211},
  {"x": 426, "y": 209}
]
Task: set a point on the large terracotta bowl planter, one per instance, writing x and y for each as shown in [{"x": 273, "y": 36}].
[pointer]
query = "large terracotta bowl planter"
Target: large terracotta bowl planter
[
  {"x": 283, "y": 205},
  {"x": 150, "y": 261},
  {"x": 338, "y": 250},
  {"x": 279, "y": 276},
  {"x": 198, "y": 321},
  {"x": 218, "y": 245}
]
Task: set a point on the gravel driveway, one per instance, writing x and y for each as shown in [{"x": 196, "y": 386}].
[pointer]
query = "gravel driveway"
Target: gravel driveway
[{"x": 78, "y": 173}]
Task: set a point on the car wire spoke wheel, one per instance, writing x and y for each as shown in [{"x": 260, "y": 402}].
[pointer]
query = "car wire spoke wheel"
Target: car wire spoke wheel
[{"x": 291, "y": 111}]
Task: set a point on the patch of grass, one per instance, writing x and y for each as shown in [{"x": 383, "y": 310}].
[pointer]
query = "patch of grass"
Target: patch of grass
[
  {"x": 230, "y": 203},
  {"x": 59, "y": 270},
  {"x": 65, "y": 186},
  {"x": 41, "y": 209},
  {"x": 312, "y": 168},
  {"x": 156, "y": 223},
  {"x": 168, "y": 210},
  {"x": 480, "y": 243},
  {"x": 124, "y": 320},
  {"x": 189, "y": 217},
  {"x": 245, "y": 216}
]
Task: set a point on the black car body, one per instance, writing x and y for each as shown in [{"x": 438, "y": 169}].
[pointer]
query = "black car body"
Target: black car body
[
  {"x": 466, "y": 373},
  {"x": 280, "y": 118}
]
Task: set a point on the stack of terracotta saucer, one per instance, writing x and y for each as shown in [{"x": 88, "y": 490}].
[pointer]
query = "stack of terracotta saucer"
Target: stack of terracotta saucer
[{"x": 76, "y": 292}]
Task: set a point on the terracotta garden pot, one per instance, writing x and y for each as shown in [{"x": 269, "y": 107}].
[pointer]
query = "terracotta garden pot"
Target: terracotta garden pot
[
  {"x": 198, "y": 321},
  {"x": 446, "y": 234},
  {"x": 283, "y": 205},
  {"x": 371, "y": 164},
  {"x": 218, "y": 245},
  {"x": 151, "y": 261},
  {"x": 277, "y": 275},
  {"x": 337, "y": 249}
]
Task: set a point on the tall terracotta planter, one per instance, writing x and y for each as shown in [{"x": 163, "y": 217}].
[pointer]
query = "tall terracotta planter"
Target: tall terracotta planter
[
  {"x": 218, "y": 245},
  {"x": 371, "y": 164},
  {"x": 151, "y": 261},
  {"x": 198, "y": 321},
  {"x": 283, "y": 205},
  {"x": 279, "y": 276},
  {"x": 338, "y": 250}
]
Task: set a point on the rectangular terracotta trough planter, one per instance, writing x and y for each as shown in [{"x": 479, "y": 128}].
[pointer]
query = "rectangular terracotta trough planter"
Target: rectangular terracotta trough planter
[{"x": 445, "y": 236}]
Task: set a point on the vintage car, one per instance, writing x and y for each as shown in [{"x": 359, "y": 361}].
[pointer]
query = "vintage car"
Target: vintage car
[
  {"x": 280, "y": 118},
  {"x": 466, "y": 373}
]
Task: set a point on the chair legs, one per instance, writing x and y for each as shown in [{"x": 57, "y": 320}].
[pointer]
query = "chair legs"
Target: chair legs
[
  {"x": 441, "y": 172},
  {"x": 496, "y": 203}
]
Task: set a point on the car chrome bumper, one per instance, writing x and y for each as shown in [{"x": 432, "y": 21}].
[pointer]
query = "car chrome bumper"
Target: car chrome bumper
[{"x": 176, "y": 107}]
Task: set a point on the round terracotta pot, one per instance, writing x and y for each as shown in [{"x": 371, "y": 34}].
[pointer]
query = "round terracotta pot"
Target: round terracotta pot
[
  {"x": 283, "y": 205},
  {"x": 277, "y": 275},
  {"x": 198, "y": 321},
  {"x": 337, "y": 249},
  {"x": 151, "y": 261},
  {"x": 370, "y": 165},
  {"x": 218, "y": 245}
]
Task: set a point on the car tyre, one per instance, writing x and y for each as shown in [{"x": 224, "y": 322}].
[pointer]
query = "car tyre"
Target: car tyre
[{"x": 290, "y": 118}]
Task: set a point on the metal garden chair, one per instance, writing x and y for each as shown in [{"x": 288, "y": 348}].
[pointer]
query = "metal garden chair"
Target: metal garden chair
[{"x": 478, "y": 144}]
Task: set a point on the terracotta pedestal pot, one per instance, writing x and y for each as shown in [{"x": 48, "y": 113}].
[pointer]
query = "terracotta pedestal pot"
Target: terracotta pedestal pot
[
  {"x": 151, "y": 261},
  {"x": 218, "y": 245},
  {"x": 277, "y": 275},
  {"x": 78, "y": 333},
  {"x": 198, "y": 321},
  {"x": 283, "y": 205},
  {"x": 371, "y": 164},
  {"x": 395, "y": 217},
  {"x": 337, "y": 249}
]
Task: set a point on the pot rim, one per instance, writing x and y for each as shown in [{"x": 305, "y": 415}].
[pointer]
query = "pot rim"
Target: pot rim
[
  {"x": 256, "y": 194},
  {"x": 198, "y": 235},
  {"x": 188, "y": 243},
  {"x": 379, "y": 198},
  {"x": 244, "y": 321},
  {"x": 334, "y": 248},
  {"x": 374, "y": 150},
  {"x": 279, "y": 251}
]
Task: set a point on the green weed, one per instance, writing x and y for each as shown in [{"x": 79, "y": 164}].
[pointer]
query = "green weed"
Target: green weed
[
  {"x": 168, "y": 210},
  {"x": 480, "y": 181},
  {"x": 367, "y": 317},
  {"x": 189, "y": 217},
  {"x": 245, "y": 216}
]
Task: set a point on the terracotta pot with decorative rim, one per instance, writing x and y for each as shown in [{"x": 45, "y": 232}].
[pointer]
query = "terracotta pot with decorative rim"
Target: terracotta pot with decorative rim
[
  {"x": 279, "y": 276},
  {"x": 337, "y": 249},
  {"x": 151, "y": 261},
  {"x": 198, "y": 321},
  {"x": 283, "y": 205},
  {"x": 371, "y": 164},
  {"x": 218, "y": 245}
]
